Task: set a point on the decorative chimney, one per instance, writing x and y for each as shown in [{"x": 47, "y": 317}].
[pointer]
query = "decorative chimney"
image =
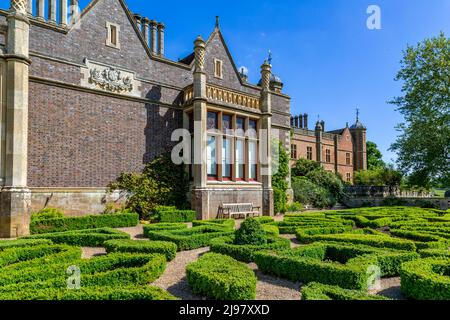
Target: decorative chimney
[
  {"x": 137, "y": 19},
  {"x": 161, "y": 28}
]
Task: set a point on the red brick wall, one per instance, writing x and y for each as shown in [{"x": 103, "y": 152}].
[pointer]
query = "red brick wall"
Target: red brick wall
[{"x": 79, "y": 139}]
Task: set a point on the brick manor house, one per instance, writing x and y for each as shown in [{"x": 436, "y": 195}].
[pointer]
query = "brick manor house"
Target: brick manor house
[{"x": 85, "y": 96}]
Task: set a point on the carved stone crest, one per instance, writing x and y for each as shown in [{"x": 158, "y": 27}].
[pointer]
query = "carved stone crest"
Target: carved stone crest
[{"x": 111, "y": 79}]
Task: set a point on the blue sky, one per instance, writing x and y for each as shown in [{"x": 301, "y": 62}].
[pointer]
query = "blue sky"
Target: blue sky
[{"x": 329, "y": 60}]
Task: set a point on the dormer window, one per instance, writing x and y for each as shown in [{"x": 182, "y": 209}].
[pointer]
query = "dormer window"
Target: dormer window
[
  {"x": 113, "y": 32},
  {"x": 218, "y": 68}
]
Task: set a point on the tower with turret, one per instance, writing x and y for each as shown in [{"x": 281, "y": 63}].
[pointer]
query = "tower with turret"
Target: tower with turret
[{"x": 359, "y": 132}]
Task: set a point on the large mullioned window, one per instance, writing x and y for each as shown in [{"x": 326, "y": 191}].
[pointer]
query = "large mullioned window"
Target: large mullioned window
[{"x": 232, "y": 147}]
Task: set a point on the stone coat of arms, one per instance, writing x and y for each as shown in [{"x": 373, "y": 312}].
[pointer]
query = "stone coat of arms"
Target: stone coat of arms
[{"x": 110, "y": 79}]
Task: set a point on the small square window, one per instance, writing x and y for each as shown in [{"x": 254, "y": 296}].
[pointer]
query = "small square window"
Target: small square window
[
  {"x": 218, "y": 69},
  {"x": 113, "y": 35}
]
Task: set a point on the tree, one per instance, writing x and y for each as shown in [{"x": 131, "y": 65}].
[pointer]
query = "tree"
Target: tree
[
  {"x": 374, "y": 156},
  {"x": 279, "y": 181},
  {"x": 424, "y": 141}
]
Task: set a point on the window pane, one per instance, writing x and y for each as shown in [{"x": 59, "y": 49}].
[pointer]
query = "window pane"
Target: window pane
[
  {"x": 212, "y": 122},
  {"x": 240, "y": 126},
  {"x": 240, "y": 159},
  {"x": 226, "y": 123},
  {"x": 212, "y": 158},
  {"x": 252, "y": 130},
  {"x": 252, "y": 159},
  {"x": 226, "y": 158}
]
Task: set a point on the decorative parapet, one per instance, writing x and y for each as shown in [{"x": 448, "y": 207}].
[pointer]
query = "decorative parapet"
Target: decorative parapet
[
  {"x": 226, "y": 96},
  {"x": 110, "y": 79},
  {"x": 384, "y": 192}
]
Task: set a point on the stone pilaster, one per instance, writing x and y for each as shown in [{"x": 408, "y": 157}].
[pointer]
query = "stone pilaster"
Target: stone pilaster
[
  {"x": 200, "y": 192},
  {"x": 266, "y": 140},
  {"x": 14, "y": 195}
]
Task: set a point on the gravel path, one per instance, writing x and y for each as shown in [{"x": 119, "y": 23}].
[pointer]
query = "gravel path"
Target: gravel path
[
  {"x": 88, "y": 253},
  {"x": 136, "y": 233},
  {"x": 174, "y": 278},
  {"x": 390, "y": 287}
]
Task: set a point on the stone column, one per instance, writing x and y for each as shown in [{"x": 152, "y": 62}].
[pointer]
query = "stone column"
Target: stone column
[
  {"x": 161, "y": 39},
  {"x": 40, "y": 9},
  {"x": 52, "y": 11},
  {"x": 153, "y": 36},
  {"x": 63, "y": 12},
  {"x": 266, "y": 140},
  {"x": 30, "y": 7},
  {"x": 74, "y": 12},
  {"x": 15, "y": 197},
  {"x": 200, "y": 197},
  {"x": 145, "y": 30}
]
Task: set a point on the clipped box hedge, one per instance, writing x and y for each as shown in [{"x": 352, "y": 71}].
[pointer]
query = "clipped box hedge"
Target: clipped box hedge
[
  {"x": 121, "y": 220},
  {"x": 364, "y": 239},
  {"x": 226, "y": 246},
  {"x": 190, "y": 239},
  {"x": 222, "y": 278},
  {"x": 163, "y": 227},
  {"x": 331, "y": 263},
  {"x": 168, "y": 249},
  {"x": 133, "y": 293},
  {"x": 116, "y": 269},
  {"x": 318, "y": 291},
  {"x": 437, "y": 253},
  {"x": 177, "y": 216},
  {"x": 271, "y": 230},
  {"x": 8, "y": 244},
  {"x": 426, "y": 279},
  {"x": 83, "y": 238},
  {"x": 226, "y": 223},
  {"x": 21, "y": 257}
]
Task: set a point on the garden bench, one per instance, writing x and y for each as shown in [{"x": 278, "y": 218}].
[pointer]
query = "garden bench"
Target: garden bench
[{"x": 238, "y": 209}]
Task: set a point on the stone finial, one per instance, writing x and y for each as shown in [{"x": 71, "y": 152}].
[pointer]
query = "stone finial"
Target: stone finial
[
  {"x": 19, "y": 6},
  {"x": 200, "y": 49},
  {"x": 266, "y": 70},
  {"x": 217, "y": 22}
]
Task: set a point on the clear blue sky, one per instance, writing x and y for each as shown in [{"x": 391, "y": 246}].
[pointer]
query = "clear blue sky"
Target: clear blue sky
[{"x": 328, "y": 59}]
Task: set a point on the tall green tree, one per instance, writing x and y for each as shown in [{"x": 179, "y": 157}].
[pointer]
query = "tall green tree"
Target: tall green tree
[
  {"x": 424, "y": 141},
  {"x": 279, "y": 180},
  {"x": 374, "y": 156}
]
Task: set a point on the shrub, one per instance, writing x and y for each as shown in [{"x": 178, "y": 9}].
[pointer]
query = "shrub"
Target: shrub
[
  {"x": 227, "y": 223},
  {"x": 86, "y": 222},
  {"x": 169, "y": 249},
  {"x": 177, "y": 216},
  {"x": 426, "y": 279},
  {"x": 226, "y": 245},
  {"x": 47, "y": 213},
  {"x": 7, "y": 244},
  {"x": 190, "y": 239},
  {"x": 83, "y": 238},
  {"x": 251, "y": 233},
  {"x": 117, "y": 269},
  {"x": 161, "y": 183},
  {"x": 222, "y": 278},
  {"x": 371, "y": 240},
  {"x": 295, "y": 207},
  {"x": 318, "y": 291},
  {"x": 140, "y": 293}
]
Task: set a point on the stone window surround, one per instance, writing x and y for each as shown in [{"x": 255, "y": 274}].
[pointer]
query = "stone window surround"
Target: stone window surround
[
  {"x": 218, "y": 73},
  {"x": 219, "y": 140},
  {"x": 108, "y": 36}
]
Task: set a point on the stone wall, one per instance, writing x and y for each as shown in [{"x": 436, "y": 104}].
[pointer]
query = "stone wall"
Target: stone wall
[{"x": 74, "y": 202}]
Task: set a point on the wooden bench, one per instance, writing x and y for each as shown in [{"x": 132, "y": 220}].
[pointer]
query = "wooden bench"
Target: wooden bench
[{"x": 238, "y": 209}]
